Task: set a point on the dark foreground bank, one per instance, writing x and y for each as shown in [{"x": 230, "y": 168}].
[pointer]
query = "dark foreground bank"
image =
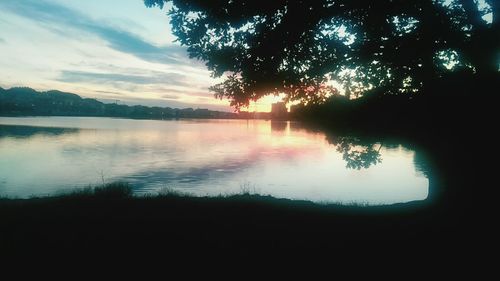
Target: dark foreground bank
[{"x": 109, "y": 222}]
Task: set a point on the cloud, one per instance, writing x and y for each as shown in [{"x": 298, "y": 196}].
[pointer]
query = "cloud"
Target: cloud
[
  {"x": 170, "y": 97},
  {"x": 2, "y": 40},
  {"x": 109, "y": 92},
  {"x": 57, "y": 16},
  {"x": 74, "y": 49},
  {"x": 154, "y": 77},
  {"x": 169, "y": 90}
]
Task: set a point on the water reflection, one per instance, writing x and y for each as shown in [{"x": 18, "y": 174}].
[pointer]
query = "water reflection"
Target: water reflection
[
  {"x": 284, "y": 159},
  {"x": 28, "y": 131},
  {"x": 356, "y": 153},
  {"x": 278, "y": 125}
]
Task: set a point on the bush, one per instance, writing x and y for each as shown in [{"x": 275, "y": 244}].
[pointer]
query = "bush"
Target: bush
[{"x": 113, "y": 190}]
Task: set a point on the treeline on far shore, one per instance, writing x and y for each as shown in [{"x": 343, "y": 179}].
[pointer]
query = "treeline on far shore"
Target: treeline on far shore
[{"x": 23, "y": 101}]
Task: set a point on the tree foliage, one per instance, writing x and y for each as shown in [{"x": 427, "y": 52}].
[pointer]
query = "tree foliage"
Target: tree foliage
[{"x": 296, "y": 47}]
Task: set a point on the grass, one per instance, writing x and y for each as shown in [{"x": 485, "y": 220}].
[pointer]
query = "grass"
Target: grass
[
  {"x": 109, "y": 219},
  {"x": 115, "y": 190},
  {"x": 168, "y": 191}
]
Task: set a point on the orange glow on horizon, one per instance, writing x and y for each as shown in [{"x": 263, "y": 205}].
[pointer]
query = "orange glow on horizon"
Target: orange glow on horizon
[{"x": 264, "y": 103}]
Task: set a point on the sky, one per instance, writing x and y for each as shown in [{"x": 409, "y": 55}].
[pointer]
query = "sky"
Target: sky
[{"x": 100, "y": 49}]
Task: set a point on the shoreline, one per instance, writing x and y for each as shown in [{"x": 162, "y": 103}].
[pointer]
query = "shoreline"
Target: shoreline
[{"x": 108, "y": 220}]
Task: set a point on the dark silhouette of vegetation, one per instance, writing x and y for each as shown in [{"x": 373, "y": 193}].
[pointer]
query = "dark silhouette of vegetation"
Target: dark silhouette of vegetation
[
  {"x": 115, "y": 190},
  {"x": 396, "y": 47},
  {"x": 26, "y": 101},
  {"x": 112, "y": 222}
]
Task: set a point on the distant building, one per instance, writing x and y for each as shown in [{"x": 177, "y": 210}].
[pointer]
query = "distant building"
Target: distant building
[{"x": 279, "y": 110}]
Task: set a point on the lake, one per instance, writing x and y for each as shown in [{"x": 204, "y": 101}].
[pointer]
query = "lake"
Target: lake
[{"x": 49, "y": 155}]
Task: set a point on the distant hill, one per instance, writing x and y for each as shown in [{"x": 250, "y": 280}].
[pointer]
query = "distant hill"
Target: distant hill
[{"x": 24, "y": 101}]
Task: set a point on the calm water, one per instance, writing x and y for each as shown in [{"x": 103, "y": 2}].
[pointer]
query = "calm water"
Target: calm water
[{"x": 45, "y": 155}]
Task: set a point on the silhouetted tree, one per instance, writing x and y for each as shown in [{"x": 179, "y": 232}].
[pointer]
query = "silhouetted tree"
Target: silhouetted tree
[{"x": 295, "y": 47}]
